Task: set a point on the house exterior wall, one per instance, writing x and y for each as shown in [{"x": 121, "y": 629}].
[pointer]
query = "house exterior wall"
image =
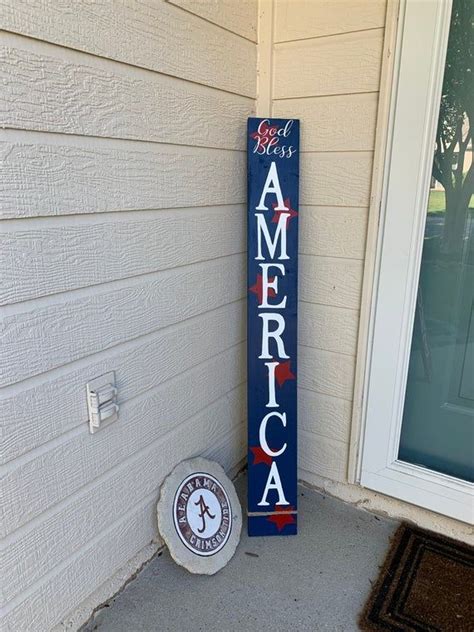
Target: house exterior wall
[
  {"x": 328, "y": 63},
  {"x": 123, "y": 249}
]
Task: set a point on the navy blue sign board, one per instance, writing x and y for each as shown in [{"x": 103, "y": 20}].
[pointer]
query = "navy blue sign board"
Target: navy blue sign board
[{"x": 273, "y": 175}]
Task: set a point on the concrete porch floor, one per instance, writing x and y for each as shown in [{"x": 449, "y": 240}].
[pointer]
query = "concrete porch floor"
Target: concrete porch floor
[{"x": 318, "y": 580}]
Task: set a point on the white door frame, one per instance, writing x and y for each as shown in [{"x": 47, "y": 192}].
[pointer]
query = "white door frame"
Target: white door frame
[{"x": 421, "y": 51}]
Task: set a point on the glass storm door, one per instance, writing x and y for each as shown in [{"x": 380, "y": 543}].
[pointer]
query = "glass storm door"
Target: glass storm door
[
  {"x": 418, "y": 443},
  {"x": 438, "y": 418}
]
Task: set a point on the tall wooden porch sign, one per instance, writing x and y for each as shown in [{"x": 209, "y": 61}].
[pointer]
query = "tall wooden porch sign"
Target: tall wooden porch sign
[{"x": 273, "y": 174}]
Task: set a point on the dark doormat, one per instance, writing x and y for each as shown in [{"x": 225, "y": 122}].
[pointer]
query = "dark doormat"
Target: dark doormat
[{"x": 425, "y": 584}]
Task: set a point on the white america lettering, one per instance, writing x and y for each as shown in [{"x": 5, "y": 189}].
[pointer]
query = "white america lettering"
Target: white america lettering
[{"x": 273, "y": 322}]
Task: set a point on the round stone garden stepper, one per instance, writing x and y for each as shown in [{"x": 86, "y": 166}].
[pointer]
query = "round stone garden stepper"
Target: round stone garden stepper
[{"x": 199, "y": 516}]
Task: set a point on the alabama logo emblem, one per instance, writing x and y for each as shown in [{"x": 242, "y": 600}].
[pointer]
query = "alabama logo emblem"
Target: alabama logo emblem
[
  {"x": 202, "y": 514},
  {"x": 199, "y": 516}
]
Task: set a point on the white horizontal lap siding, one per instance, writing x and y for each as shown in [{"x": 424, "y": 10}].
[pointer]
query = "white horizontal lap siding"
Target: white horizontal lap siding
[
  {"x": 152, "y": 35},
  {"x": 48, "y": 257},
  {"x": 341, "y": 64},
  {"x": 49, "y": 336},
  {"x": 231, "y": 450},
  {"x": 33, "y": 485},
  {"x": 51, "y": 178},
  {"x": 55, "y": 594},
  {"x": 71, "y": 583},
  {"x": 324, "y": 415},
  {"x": 333, "y": 232},
  {"x": 336, "y": 47},
  {"x": 112, "y": 495},
  {"x": 301, "y": 19},
  {"x": 326, "y": 372},
  {"x": 325, "y": 402},
  {"x": 333, "y": 123},
  {"x": 238, "y": 17},
  {"x": 330, "y": 281},
  {"x": 336, "y": 178},
  {"x": 327, "y": 327},
  {"x": 321, "y": 455},
  {"x": 84, "y": 96},
  {"x": 139, "y": 365},
  {"x": 123, "y": 194}
]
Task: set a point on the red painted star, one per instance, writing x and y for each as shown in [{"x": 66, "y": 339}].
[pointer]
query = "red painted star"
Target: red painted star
[
  {"x": 282, "y": 517},
  {"x": 291, "y": 211},
  {"x": 258, "y": 288},
  {"x": 283, "y": 373},
  {"x": 259, "y": 456}
]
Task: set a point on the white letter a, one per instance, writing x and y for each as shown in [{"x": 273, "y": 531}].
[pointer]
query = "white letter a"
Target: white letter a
[
  {"x": 273, "y": 482},
  {"x": 272, "y": 185}
]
